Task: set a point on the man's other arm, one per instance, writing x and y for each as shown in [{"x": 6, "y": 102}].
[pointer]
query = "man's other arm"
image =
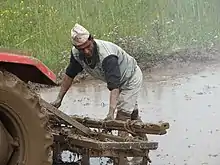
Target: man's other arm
[
  {"x": 112, "y": 75},
  {"x": 72, "y": 70}
]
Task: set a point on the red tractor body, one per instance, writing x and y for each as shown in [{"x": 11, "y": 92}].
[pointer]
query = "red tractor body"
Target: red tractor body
[{"x": 27, "y": 68}]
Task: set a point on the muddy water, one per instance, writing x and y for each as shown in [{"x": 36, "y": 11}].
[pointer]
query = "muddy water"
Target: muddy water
[{"x": 188, "y": 101}]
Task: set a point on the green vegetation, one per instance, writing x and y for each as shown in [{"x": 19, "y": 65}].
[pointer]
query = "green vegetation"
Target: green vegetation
[{"x": 157, "y": 27}]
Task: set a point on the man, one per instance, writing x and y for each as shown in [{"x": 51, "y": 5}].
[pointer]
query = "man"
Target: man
[{"x": 110, "y": 63}]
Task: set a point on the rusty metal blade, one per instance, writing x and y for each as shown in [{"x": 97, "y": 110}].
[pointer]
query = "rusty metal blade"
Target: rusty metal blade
[{"x": 85, "y": 130}]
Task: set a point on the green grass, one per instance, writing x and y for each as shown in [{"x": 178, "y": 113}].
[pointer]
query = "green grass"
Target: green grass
[{"x": 42, "y": 27}]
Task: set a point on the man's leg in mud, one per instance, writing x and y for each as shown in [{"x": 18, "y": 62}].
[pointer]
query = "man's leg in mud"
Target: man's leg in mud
[
  {"x": 127, "y": 107},
  {"x": 135, "y": 116},
  {"x": 126, "y": 101},
  {"x": 126, "y": 104}
]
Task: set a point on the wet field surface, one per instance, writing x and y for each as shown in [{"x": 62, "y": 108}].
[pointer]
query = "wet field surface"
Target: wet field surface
[{"x": 189, "y": 99}]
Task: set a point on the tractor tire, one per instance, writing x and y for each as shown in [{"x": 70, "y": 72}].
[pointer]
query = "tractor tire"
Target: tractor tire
[{"x": 26, "y": 122}]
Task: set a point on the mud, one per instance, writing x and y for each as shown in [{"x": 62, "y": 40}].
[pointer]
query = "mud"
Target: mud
[{"x": 186, "y": 96}]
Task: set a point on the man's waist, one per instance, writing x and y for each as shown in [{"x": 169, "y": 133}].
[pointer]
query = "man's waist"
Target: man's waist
[{"x": 128, "y": 75}]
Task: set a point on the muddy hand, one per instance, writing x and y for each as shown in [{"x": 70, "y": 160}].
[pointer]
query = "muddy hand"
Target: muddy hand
[
  {"x": 110, "y": 116},
  {"x": 56, "y": 103}
]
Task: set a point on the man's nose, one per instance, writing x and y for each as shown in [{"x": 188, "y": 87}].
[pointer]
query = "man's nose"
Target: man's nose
[{"x": 86, "y": 51}]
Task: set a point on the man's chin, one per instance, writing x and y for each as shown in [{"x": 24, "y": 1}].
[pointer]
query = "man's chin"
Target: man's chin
[{"x": 88, "y": 55}]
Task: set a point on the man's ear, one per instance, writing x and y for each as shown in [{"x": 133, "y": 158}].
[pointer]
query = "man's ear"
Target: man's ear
[{"x": 91, "y": 37}]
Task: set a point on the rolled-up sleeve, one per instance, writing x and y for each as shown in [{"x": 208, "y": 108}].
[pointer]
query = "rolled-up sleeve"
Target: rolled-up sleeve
[
  {"x": 112, "y": 72},
  {"x": 73, "y": 67}
]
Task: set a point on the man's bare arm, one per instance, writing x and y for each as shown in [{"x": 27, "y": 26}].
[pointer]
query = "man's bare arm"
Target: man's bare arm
[
  {"x": 65, "y": 85},
  {"x": 112, "y": 75},
  {"x": 71, "y": 71},
  {"x": 114, "y": 94}
]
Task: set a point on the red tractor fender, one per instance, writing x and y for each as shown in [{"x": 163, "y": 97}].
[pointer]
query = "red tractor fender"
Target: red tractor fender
[{"x": 27, "y": 68}]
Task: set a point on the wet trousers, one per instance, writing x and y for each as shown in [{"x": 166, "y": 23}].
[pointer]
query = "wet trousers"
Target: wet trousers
[{"x": 127, "y": 107}]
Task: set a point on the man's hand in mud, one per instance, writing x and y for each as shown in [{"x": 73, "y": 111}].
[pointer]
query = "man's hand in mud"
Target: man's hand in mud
[
  {"x": 113, "y": 103},
  {"x": 65, "y": 85},
  {"x": 110, "y": 116},
  {"x": 57, "y": 103}
]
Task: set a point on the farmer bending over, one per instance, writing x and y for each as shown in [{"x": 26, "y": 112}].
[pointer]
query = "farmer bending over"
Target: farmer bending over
[{"x": 108, "y": 62}]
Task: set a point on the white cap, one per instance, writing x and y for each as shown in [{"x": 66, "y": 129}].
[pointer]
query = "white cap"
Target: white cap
[{"x": 79, "y": 35}]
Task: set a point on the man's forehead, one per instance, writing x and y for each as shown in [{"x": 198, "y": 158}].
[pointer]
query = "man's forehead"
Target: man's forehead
[{"x": 87, "y": 43}]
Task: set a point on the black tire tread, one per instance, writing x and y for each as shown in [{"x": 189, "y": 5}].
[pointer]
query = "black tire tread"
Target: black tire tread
[{"x": 17, "y": 88}]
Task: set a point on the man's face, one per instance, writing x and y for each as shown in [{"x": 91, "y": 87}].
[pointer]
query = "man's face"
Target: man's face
[{"x": 86, "y": 48}]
